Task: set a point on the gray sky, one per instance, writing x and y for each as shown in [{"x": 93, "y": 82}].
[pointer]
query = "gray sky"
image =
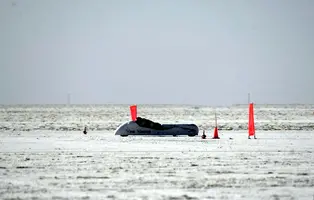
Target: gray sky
[{"x": 157, "y": 51}]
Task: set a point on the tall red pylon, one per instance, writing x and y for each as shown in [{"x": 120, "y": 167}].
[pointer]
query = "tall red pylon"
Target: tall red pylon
[
  {"x": 251, "y": 124},
  {"x": 216, "y": 129},
  {"x": 133, "y": 111}
]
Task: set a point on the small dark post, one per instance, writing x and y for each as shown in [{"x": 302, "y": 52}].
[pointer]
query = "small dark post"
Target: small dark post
[{"x": 204, "y": 135}]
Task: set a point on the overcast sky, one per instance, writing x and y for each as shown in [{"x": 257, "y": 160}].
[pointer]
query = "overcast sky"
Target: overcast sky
[{"x": 157, "y": 51}]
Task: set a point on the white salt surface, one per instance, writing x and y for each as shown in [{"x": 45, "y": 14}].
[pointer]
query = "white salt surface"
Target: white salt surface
[
  {"x": 99, "y": 165},
  {"x": 108, "y": 117}
]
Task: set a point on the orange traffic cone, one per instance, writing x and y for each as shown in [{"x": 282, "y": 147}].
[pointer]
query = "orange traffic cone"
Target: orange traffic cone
[
  {"x": 216, "y": 129},
  {"x": 216, "y": 133}
]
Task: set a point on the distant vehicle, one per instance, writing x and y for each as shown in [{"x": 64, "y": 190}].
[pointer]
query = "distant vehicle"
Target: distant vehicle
[{"x": 142, "y": 126}]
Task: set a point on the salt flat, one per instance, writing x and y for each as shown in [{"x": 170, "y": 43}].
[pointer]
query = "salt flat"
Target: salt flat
[
  {"x": 107, "y": 118},
  {"x": 99, "y": 165}
]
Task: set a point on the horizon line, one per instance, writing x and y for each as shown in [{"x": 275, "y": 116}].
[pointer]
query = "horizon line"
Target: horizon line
[{"x": 145, "y": 104}]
